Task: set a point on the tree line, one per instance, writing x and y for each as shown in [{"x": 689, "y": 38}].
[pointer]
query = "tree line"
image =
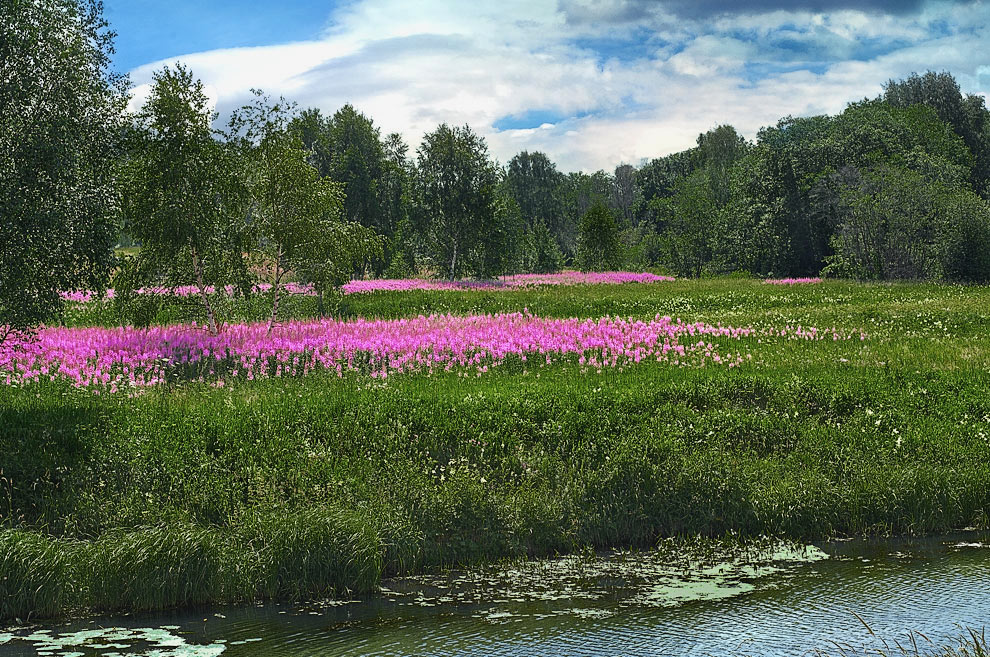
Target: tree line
[{"x": 893, "y": 187}]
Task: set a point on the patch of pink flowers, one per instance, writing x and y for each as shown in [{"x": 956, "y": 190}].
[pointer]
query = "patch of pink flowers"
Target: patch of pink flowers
[
  {"x": 508, "y": 282},
  {"x": 84, "y": 296},
  {"x": 128, "y": 358},
  {"x": 400, "y": 284},
  {"x": 791, "y": 281}
]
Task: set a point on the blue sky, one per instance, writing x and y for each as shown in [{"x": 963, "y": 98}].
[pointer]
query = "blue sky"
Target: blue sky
[
  {"x": 593, "y": 83},
  {"x": 151, "y": 30}
]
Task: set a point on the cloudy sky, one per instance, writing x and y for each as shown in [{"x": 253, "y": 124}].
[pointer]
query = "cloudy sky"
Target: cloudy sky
[{"x": 593, "y": 83}]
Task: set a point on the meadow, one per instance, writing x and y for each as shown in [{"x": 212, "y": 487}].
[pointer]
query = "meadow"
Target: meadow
[{"x": 803, "y": 410}]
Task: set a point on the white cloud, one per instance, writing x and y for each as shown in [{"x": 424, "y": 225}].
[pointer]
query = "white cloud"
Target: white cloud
[{"x": 642, "y": 82}]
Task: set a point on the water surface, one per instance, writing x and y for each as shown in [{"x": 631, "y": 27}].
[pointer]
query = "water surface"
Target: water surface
[{"x": 768, "y": 600}]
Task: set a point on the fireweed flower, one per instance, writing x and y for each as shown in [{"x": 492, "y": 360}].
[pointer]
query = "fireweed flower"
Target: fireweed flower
[
  {"x": 400, "y": 284},
  {"x": 126, "y": 358}
]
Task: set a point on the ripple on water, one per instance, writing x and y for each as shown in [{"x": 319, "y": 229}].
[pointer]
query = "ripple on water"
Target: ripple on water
[{"x": 769, "y": 600}]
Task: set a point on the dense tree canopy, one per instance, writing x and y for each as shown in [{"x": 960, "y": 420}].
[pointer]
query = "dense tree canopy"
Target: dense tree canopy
[
  {"x": 458, "y": 185},
  {"x": 186, "y": 197},
  {"x": 60, "y": 122},
  {"x": 891, "y": 187}
]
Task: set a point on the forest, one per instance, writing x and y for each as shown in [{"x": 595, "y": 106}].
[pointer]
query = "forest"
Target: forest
[{"x": 894, "y": 187}]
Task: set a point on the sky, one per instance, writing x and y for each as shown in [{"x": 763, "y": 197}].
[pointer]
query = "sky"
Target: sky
[{"x": 592, "y": 83}]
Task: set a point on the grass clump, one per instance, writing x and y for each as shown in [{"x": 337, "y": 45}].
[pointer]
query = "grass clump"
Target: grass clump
[
  {"x": 156, "y": 568},
  {"x": 36, "y": 575},
  {"x": 318, "y": 552}
]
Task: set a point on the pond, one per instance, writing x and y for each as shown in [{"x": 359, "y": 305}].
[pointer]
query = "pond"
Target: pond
[{"x": 764, "y": 599}]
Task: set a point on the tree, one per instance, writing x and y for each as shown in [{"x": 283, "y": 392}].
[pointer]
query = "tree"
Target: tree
[
  {"x": 542, "y": 253},
  {"x": 534, "y": 183},
  {"x": 395, "y": 190},
  {"x": 60, "y": 120},
  {"x": 656, "y": 180},
  {"x": 624, "y": 193},
  {"x": 579, "y": 192},
  {"x": 457, "y": 181},
  {"x": 313, "y": 130},
  {"x": 897, "y": 224},
  {"x": 357, "y": 159},
  {"x": 599, "y": 248},
  {"x": 186, "y": 199},
  {"x": 967, "y": 115},
  {"x": 689, "y": 218},
  {"x": 784, "y": 187},
  {"x": 296, "y": 214},
  {"x": 499, "y": 246}
]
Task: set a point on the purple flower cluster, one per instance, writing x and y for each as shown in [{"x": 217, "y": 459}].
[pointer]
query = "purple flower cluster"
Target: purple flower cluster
[
  {"x": 399, "y": 284},
  {"x": 129, "y": 358},
  {"x": 84, "y": 296},
  {"x": 508, "y": 282},
  {"x": 791, "y": 281}
]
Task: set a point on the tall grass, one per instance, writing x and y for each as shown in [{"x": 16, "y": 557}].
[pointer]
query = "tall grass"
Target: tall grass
[
  {"x": 318, "y": 485},
  {"x": 37, "y": 575}
]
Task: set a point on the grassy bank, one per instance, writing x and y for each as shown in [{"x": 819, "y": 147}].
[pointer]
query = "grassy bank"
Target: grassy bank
[{"x": 319, "y": 485}]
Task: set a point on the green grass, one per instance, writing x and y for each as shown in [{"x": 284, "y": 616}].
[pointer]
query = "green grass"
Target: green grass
[{"x": 320, "y": 486}]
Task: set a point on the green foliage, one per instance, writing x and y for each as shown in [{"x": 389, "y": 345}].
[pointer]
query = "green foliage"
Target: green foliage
[
  {"x": 499, "y": 248},
  {"x": 287, "y": 487},
  {"x": 643, "y": 248},
  {"x": 458, "y": 186},
  {"x": 599, "y": 248},
  {"x": 296, "y": 215},
  {"x": 357, "y": 159},
  {"x": 375, "y": 174},
  {"x": 186, "y": 198},
  {"x": 156, "y": 568},
  {"x": 536, "y": 186},
  {"x": 541, "y": 253},
  {"x": 625, "y": 194},
  {"x": 895, "y": 223},
  {"x": 60, "y": 121},
  {"x": 967, "y": 116},
  {"x": 313, "y": 553},
  {"x": 36, "y": 575},
  {"x": 655, "y": 180},
  {"x": 790, "y": 183},
  {"x": 396, "y": 190},
  {"x": 579, "y": 192}
]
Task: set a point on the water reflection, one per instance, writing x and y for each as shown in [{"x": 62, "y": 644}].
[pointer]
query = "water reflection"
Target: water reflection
[{"x": 762, "y": 601}]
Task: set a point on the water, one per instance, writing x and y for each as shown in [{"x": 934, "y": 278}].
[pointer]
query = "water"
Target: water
[{"x": 766, "y": 601}]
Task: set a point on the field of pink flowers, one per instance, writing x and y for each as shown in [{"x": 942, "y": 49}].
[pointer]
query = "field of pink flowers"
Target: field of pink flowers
[
  {"x": 515, "y": 281},
  {"x": 128, "y": 358}
]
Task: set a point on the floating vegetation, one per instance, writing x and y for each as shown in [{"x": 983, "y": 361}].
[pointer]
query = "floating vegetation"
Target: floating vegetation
[
  {"x": 115, "y": 642},
  {"x": 677, "y": 572}
]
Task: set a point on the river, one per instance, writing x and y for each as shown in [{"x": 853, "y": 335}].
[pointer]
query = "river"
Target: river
[{"x": 767, "y": 600}]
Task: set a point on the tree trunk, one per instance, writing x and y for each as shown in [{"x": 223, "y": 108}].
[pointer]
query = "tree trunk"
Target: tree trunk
[
  {"x": 275, "y": 291},
  {"x": 453, "y": 261},
  {"x": 211, "y": 320}
]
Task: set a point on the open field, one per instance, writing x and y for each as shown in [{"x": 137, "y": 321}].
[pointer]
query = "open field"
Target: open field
[{"x": 296, "y": 485}]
